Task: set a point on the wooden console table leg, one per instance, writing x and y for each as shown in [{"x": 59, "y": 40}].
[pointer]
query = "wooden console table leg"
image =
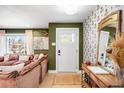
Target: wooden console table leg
[{"x": 94, "y": 85}]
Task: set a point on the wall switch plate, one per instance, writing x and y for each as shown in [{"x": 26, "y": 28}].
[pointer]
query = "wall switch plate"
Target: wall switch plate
[{"x": 53, "y": 44}]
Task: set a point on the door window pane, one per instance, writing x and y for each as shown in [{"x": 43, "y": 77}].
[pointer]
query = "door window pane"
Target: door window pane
[{"x": 67, "y": 38}]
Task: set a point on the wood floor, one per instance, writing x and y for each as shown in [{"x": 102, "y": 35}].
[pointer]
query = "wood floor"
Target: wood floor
[{"x": 61, "y": 80}]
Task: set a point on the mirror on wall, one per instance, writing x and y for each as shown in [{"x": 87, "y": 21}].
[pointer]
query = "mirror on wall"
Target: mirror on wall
[{"x": 109, "y": 29}]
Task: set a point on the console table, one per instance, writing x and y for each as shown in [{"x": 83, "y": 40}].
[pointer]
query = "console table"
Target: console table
[{"x": 90, "y": 79}]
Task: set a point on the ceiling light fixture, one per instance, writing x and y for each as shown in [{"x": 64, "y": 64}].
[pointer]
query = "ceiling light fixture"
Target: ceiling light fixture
[
  {"x": 28, "y": 26},
  {"x": 70, "y": 10}
]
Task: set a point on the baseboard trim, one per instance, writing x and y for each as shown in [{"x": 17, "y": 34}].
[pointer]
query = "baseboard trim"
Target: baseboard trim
[{"x": 52, "y": 71}]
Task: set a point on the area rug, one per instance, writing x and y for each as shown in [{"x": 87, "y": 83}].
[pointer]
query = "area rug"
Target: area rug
[{"x": 67, "y": 79}]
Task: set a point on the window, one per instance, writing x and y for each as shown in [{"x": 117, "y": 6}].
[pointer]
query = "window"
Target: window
[{"x": 15, "y": 44}]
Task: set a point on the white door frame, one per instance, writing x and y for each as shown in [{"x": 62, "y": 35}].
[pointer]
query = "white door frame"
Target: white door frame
[{"x": 77, "y": 49}]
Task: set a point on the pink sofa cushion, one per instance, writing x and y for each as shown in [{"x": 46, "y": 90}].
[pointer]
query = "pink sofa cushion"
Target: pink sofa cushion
[
  {"x": 7, "y": 75},
  {"x": 25, "y": 70},
  {"x": 34, "y": 64},
  {"x": 4, "y": 74},
  {"x": 29, "y": 67},
  {"x": 1, "y": 58},
  {"x": 22, "y": 61},
  {"x": 13, "y": 57},
  {"x": 7, "y": 63}
]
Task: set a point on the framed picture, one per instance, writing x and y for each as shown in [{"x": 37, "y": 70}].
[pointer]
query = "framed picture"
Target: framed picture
[{"x": 40, "y": 43}]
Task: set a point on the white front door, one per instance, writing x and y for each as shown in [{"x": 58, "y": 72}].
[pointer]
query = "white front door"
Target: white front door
[{"x": 67, "y": 49}]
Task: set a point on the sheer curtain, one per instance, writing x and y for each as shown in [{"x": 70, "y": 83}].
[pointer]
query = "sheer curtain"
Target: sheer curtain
[
  {"x": 2, "y": 42},
  {"x": 29, "y": 42}
]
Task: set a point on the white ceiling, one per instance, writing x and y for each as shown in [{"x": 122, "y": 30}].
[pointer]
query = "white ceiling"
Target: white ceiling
[{"x": 38, "y": 16}]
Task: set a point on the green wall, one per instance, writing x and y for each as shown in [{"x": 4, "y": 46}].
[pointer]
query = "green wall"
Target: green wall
[
  {"x": 15, "y": 31},
  {"x": 39, "y": 33},
  {"x": 52, "y": 38}
]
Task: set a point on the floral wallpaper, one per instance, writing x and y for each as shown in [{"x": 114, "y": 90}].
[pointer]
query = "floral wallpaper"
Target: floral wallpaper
[{"x": 90, "y": 28}]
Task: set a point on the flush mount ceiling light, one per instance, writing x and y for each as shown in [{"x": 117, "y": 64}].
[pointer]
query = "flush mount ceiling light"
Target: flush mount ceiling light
[
  {"x": 69, "y": 9},
  {"x": 28, "y": 26}
]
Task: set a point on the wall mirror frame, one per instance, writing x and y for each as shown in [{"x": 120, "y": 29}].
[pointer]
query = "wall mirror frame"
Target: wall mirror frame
[{"x": 109, "y": 28}]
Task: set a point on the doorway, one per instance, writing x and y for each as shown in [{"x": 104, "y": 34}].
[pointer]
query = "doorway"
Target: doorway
[{"x": 67, "y": 49}]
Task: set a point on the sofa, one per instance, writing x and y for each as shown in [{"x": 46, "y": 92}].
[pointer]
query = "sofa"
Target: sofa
[
  {"x": 30, "y": 76},
  {"x": 44, "y": 67}
]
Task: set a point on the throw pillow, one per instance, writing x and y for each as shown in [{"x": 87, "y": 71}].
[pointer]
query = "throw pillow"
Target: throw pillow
[
  {"x": 1, "y": 58},
  {"x": 36, "y": 57},
  {"x": 26, "y": 58},
  {"x": 31, "y": 57},
  {"x": 13, "y": 57},
  {"x": 41, "y": 56}
]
